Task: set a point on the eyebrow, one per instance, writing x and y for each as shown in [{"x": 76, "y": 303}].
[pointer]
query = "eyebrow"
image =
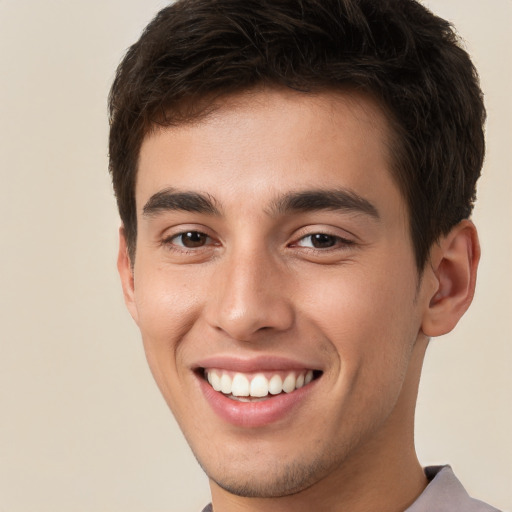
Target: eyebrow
[
  {"x": 318, "y": 199},
  {"x": 302, "y": 201},
  {"x": 172, "y": 200}
]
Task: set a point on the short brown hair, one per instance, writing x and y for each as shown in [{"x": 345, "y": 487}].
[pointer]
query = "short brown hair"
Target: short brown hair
[{"x": 396, "y": 50}]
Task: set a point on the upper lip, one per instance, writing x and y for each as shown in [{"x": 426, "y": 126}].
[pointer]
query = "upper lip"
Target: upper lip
[{"x": 253, "y": 364}]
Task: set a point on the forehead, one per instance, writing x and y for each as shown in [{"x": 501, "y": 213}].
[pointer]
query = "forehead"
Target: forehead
[{"x": 268, "y": 141}]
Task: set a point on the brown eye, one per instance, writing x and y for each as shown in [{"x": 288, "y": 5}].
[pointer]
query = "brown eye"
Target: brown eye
[
  {"x": 191, "y": 239},
  {"x": 323, "y": 241},
  {"x": 319, "y": 241}
]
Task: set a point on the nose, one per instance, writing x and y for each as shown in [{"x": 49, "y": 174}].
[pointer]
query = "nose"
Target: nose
[{"x": 250, "y": 296}]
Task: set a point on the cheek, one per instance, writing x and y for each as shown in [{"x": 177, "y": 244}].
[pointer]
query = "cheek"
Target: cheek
[
  {"x": 367, "y": 312},
  {"x": 167, "y": 305},
  {"x": 164, "y": 301}
]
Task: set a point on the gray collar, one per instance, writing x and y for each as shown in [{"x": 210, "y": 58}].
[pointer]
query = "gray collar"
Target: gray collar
[{"x": 445, "y": 493}]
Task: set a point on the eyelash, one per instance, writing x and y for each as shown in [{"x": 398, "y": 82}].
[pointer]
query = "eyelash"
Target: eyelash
[
  {"x": 338, "y": 243},
  {"x": 169, "y": 242}
]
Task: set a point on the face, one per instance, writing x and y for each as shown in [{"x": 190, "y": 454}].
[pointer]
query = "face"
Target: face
[{"x": 275, "y": 287}]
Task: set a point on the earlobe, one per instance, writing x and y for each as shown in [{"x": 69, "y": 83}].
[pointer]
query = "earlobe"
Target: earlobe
[
  {"x": 453, "y": 262},
  {"x": 125, "y": 269}
]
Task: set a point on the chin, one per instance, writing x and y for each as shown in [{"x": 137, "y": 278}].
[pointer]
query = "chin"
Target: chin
[{"x": 266, "y": 479}]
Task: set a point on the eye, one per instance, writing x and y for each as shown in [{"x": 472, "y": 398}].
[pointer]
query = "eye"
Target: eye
[
  {"x": 322, "y": 241},
  {"x": 189, "y": 239}
]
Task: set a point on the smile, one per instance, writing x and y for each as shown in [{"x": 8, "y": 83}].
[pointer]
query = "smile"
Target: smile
[
  {"x": 254, "y": 393},
  {"x": 251, "y": 387}
]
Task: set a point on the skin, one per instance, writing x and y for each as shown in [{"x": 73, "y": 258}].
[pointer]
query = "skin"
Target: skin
[{"x": 359, "y": 311}]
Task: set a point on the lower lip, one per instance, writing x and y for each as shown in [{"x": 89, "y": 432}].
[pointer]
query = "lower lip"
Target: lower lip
[{"x": 254, "y": 414}]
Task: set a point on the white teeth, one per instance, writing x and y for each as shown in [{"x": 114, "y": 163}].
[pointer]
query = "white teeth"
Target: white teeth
[
  {"x": 240, "y": 385},
  {"x": 275, "y": 385},
  {"x": 289, "y": 383},
  {"x": 225, "y": 384},
  {"x": 259, "y": 386},
  {"x": 214, "y": 380}
]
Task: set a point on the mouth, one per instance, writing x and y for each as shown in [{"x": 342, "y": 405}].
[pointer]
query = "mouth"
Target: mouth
[
  {"x": 258, "y": 392},
  {"x": 257, "y": 386}
]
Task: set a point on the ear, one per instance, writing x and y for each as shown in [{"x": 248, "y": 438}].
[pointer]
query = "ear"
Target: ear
[
  {"x": 125, "y": 269},
  {"x": 453, "y": 263}
]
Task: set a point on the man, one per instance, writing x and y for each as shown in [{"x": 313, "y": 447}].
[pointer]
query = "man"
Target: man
[{"x": 295, "y": 180}]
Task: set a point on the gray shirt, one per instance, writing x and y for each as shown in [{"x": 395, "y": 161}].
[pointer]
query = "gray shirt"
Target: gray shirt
[{"x": 444, "y": 493}]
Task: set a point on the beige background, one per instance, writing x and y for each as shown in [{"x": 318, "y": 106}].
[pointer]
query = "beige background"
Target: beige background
[{"x": 82, "y": 426}]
